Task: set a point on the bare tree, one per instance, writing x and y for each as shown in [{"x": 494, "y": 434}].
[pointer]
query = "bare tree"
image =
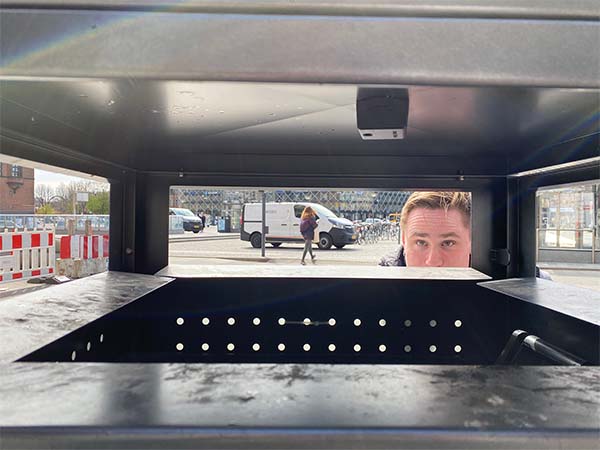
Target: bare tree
[
  {"x": 43, "y": 194},
  {"x": 66, "y": 194}
]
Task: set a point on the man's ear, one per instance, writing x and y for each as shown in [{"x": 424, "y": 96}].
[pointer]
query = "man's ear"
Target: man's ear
[{"x": 402, "y": 240}]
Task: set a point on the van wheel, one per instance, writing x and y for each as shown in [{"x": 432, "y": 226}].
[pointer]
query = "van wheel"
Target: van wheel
[
  {"x": 196, "y": 231},
  {"x": 275, "y": 244},
  {"x": 256, "y": 240},
  {"x": 340, "y": 245},
  {"x": 325, "y": 241}
]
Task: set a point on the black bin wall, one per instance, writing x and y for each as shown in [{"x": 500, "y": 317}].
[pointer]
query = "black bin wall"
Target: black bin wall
[{"x": 349, "y": 321}]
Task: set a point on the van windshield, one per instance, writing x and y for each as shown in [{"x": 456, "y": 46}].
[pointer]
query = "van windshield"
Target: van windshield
[
  {"x": 183, "y": 212},
  {"x": 324, "y": 212}
]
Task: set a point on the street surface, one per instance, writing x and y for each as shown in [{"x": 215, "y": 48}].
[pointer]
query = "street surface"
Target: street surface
[{"x": 210, "y": 248}]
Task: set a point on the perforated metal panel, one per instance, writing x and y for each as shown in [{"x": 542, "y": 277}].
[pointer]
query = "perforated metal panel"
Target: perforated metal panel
[
  {"x": 322, "y": 337},
  {"x": 298, "y": 320}
]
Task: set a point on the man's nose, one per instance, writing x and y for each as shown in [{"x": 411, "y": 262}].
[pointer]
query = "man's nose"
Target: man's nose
[{"x": 434, "y": 258}]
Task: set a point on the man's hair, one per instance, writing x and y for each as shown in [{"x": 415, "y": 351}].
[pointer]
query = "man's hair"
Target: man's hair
[{"x": 460, "y": 201}]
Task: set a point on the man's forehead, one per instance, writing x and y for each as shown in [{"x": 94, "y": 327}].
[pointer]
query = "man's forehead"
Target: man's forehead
[
  {"x": 433, "y": 219},
  {"x": 438, "y": 213}
]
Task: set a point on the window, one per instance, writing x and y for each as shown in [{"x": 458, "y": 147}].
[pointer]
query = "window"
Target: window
[
  {"x": 16, "y": 171},
  {"x": 352, "y": 228},
  {"x": 568, "y": 233}
]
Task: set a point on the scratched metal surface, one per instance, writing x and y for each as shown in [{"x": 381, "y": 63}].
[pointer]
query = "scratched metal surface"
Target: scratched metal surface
[
  {"x": 34, "y": 319},
  {"x": 573, "y": 301},
  {"x": 311, "y": 396},
  {"x": 375, "y": 272}
]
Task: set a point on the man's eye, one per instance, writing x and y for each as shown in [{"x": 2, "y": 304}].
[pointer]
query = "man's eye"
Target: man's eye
[
  {"x": 421, "y": 243},
  {"x": 448, "y": 243}
]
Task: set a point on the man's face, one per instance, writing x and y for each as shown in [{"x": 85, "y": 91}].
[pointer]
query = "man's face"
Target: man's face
[{"x": 436, "y": 238}]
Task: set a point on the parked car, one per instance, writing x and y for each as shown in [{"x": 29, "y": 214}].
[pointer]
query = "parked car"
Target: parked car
[
  {"x": 283, "y": 223},
  {"x": 372, "y": 221},
  {"x": 191, "y": 222}
]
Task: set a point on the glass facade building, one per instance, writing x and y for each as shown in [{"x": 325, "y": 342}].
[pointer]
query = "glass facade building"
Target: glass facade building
[{"x": 568, "y": 218}]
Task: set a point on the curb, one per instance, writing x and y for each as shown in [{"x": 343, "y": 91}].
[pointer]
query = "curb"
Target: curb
[
  {"x": 198, "y": 239},
  {"x": 584, "y": 268}
]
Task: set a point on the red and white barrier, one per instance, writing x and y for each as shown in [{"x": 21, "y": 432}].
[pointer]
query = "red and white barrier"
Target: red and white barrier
[
  {"x": 84, "y": 247},
  {"x": 26, "y": 254}
]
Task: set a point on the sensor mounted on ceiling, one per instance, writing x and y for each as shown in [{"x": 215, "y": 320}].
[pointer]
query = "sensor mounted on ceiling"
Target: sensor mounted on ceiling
[{"x": 382, "y": 113}]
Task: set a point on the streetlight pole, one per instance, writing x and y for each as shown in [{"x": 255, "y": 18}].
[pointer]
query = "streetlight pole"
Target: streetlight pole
[{"x": 264, "y": 223}]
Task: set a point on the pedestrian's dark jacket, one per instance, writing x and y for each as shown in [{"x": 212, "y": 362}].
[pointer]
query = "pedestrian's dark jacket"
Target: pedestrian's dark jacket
[
  {"x": 307, "y": 228},
  {"x": 394, "y": 259}
]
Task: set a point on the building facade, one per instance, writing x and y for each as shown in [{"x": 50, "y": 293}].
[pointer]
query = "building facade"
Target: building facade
[
  {"x": 17, "y": 187},
  {"x": 568, "y": 224}
]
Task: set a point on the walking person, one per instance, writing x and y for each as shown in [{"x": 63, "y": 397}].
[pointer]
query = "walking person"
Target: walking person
[{"x": 308, "y": 223}]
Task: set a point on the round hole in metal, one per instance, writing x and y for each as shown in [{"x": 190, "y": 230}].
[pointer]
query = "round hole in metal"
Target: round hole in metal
[
  {"x": 306, "y": 347},
  {"x": 180, "y": 321},
  {"x": 331, "y": 347},
  {"x": 382, "y": 348},
  {"x": 407, "y": 348},
  {"x": 256, "y": 321},
  {"x": 281, "y": 347},
  {"x": 101, "y": 338},
  {"x": 457, "y": 323},
  {"x": 357, "y": 347},
  {"x": 205, "y": 347},
  {"x": 432, "y": 323},
  {"x": 231, "y": 321},
  {"x": 230, "y": 347},
  {"x": 73, "y": 355},
  {"x": 457, "y": 348},
  {"x": 306, "y": 321},
  {"x": 382, "y": 323},
  {"x": 256, "y": 347},
  {"x": 89, "y": 346},
  {"x": 332, "y": 322},
  {"x": 205, "y": 321},
  {"x": 357, "y": 322},
  {"x": 179, "y": 346},
  {"x": 407, "y": 323},
  {"x": 432, "y": 348},
  {"x": 281, "y": 321}
]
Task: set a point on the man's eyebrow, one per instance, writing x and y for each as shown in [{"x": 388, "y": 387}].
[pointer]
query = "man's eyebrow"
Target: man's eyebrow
[
  {"x": 445, "y": 235},
  {"x": 451, "y": 234}
]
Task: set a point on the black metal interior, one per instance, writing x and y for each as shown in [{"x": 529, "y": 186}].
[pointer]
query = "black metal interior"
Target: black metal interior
[
  {"x": 418, "y": 314},
  {"x": 252, "y": 103},
  {"x": 207, "y": 128},
  {"x": 241, "y": 94}
]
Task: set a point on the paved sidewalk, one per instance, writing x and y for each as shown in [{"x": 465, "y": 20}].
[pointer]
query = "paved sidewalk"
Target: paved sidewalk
[
  {"x": 208, "y": 234},
  {"x": 568, "y": 266},
  {"x": 18, "y": 287}
]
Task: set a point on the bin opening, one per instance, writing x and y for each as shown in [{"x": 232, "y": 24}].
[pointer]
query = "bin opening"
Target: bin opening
[{"x": 329, "y": 321}]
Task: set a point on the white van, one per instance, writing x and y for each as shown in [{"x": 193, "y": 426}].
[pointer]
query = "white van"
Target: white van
[{"x": 283, "y": 225}]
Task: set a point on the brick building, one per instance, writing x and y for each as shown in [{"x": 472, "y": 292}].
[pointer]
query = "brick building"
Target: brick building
[{"x": 16, "y": 189}]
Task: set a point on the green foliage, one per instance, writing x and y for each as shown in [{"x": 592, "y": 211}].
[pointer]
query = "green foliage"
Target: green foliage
[
  {"x": 98, "y": 203},
  {"x": 46, "y": 209}
]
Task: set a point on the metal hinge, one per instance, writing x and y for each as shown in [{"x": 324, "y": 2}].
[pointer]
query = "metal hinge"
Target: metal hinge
[{"x": 500, "y": 256}]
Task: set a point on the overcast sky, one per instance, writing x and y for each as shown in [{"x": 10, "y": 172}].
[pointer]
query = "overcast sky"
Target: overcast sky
[{"x": 52, "y": 179}]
